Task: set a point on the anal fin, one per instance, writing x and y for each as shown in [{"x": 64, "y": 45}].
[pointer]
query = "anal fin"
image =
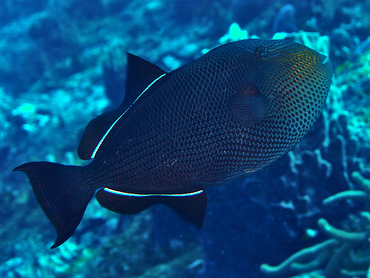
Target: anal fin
[{"x": 190, "y": 206}]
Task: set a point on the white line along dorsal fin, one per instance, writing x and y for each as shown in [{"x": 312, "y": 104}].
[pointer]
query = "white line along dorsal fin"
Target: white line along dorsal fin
[
  {"x": 115, "y": 122},
  {"x": 142, "y": 79}
]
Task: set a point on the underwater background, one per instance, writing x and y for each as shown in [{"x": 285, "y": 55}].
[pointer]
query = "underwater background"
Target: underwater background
[{"x": 63, "y": 62}]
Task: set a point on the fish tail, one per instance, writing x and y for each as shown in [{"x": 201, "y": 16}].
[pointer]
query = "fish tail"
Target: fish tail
[{"x": 58, "y": 191}]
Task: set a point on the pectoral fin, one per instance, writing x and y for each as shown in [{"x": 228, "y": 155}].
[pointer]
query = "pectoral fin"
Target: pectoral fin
[{"x": 249, "y": 106}]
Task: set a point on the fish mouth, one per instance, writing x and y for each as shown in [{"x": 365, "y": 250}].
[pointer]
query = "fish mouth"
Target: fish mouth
[
  {"x": 325, "y": 60},
  {"x": 322, "y": 59},
  {"x": 324, "y": 64}
]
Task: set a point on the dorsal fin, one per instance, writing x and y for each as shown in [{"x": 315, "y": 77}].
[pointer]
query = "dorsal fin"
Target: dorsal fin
[
  {"x": 142, "y": 77},
  {"x": 140, "y": 73},
  {"x": 94, "y": 133}
]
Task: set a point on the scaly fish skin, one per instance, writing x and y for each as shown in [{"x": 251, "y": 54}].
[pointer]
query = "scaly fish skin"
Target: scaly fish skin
[{"x": 223, "y": 116}]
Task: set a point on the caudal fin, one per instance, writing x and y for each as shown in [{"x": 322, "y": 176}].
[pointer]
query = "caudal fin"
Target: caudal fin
[{"x": 58, "y": 192}]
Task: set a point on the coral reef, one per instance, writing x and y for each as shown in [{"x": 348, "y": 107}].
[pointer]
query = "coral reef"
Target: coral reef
[
  {"x": 346, "y": 254},
  {"x": 284, "y": 21},
  {"x": 63, "y": 63}
]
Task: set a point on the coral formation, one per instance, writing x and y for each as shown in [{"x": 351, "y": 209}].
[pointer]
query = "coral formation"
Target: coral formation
[
  {"x": 346, "y": 254},
  {"x": 62, "y": 63}
]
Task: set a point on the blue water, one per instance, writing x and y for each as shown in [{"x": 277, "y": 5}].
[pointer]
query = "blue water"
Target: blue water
[{"x": 63, "y": 62}]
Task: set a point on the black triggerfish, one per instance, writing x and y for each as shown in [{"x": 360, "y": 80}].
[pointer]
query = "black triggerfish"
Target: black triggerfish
[{"x": 227, "y": 114}]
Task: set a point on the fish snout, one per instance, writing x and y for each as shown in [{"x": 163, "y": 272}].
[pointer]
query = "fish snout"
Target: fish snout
[{"x": 322, "y": 59}]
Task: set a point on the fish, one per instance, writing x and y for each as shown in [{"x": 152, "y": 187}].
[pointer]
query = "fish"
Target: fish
[{"x": 223, "y": 116}]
